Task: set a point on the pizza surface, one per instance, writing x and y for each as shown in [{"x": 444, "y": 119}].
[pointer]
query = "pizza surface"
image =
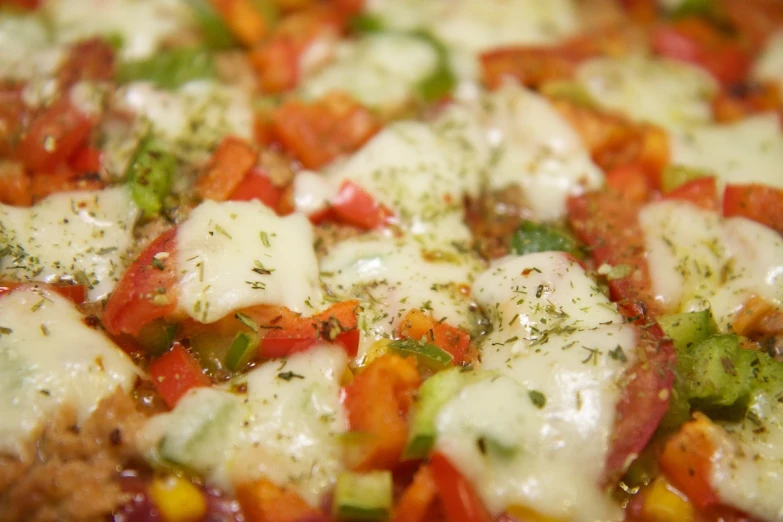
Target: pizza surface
[{"x": 404, "y": 260}]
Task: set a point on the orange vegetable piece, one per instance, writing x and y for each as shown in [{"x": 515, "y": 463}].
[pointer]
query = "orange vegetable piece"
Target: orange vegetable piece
[
  {"x": 377, "y": 401},
  {"x": 264, "y": 501},
  {"x": 417, "y": 325},
  {"x": 231, "y": 162},
  {"x": 174, "y": 373},
  {"x": 15, "y": 186},
  {"x": 417, "y": 499},
  {"x": 243, "y": 20}
]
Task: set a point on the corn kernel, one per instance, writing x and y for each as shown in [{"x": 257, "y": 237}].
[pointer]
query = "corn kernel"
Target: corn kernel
[
  {"x": 663, "y": 504},
  {"x": 528, "y": 515},
  {"x": 177, "y": 499}
]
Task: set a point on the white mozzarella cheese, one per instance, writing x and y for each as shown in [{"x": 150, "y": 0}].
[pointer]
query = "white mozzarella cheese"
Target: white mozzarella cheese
[
  {"x": 665, "y": 92},
  {"x": 286, "y": 427},
  {"x": 380, "y": 70},
  {"x": 312, "y": 192},
  {"x": 393, "y": 275},
  {"x": 712, "y": 262},
  {"x": 27, "y": 50},
  {"x": 193, "y": 119},
  {"x": 50, "y": 359},
  {"x": 746, "y": 468},
  {"x": 769, "y": 65},
  {"x": 554, "y": 335},
  {"x": 237, "y": 254},
  {"x": 78, "y": 236},
  {"x": 749, "y": 151},
  {"x": 142, "y": 25},
  {"x": 534, "y": 147}
]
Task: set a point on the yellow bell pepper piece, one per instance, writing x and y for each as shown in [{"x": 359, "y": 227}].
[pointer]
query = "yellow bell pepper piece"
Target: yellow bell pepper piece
[
  {"x": 663, "y": 504},
  {"x": 177, "y": 499},
  {"x": 528, "y": 515}
]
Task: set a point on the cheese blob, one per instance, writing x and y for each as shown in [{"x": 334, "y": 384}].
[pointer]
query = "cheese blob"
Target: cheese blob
[
  {"x": 82, "y": 237},
  {"x": 391, "y": 276},
  {"x": 748, "y": 151},
  {"x": 712, "y": 262},
  {"x": 286, "y": 427},
  {"x": 769, "y": 65},
  {"x": 240, "y": 253},
  {"x": 546, "y": 417},
  {"x": 654, "y": 90},
  {"x": 49, "y": 359}
]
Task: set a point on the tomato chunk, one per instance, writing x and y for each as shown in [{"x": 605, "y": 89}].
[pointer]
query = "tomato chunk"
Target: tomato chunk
[
  {"x": 686, "y": 461},
  {"x": 175, "y": 373},
  {"x": 417, "y": 499},
  {"x": 54, "y": 136},
  {"x": 147, "y": 290},
  {"x": 90, "y": 60},
  {"x": 15, "y": 185},
  {"x": 291, "y": 333},
  {"x": 760, "y": 203},
  {"x": 377, "y": 401},
  {"x": 257, "y": 185},
  {"x": 460, "y": 501},
  {"x": 354, "y": 206},
  {"x": 416, "y": 325},
  {"x": 702, "y": 192},
  {"x": 264, "y": 501},
  {"x": 319, "y": 132},
  {"x": 229, "y": 165}
]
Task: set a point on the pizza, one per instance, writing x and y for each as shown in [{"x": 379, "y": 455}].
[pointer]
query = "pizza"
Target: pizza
[{"x": 404, "y": 260}]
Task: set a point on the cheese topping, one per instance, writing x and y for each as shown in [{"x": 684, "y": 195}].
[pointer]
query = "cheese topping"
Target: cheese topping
[
  {"x": 749, "y": 151},
  {"x": 78, "y": 236},
  {"x": 534, "y": 147},
  {"x": 285, "y": 428},
  {"x": 27, "y": 53},
  {"x": 538, "y": 435},
  {"x": 237, "y": 254},
  {"x": 50, "y": 359},
  {"x": 142, "y": 25},
  {"x": 770, "y": 65},
  {"x": 380, "y": 71},
  {"x": 712, "y": 262},
  {"x": 393, "y": 275},
  {"x": 656, "y": 90},
  {"x": 193, "y": 119}
]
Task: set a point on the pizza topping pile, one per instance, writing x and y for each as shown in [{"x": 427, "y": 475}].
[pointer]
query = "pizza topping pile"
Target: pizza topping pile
[{"x": 409, "y": 260}]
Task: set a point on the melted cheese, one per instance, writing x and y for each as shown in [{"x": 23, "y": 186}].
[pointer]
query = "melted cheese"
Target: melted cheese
[
  {"x": 770, "y": 64},
  {"x": 393, "y": 275},
  {"x": 78, "y": 236},
  {"x": 533, "y": 146},
  {"x": 749, "y": 151},
  {"x": 712, "y": 262},
  {"x": 194, "y": 118},
  {"x": 50, "y": 359},
  {"x": 660, "y": 91},
  {"x": 381, "y": 71},
  {"x": 553, "y": 334},
  {"x": 286, "y": 428},
  {"x": 238, "y": 254},
  {"x": 142, "y": 25},
  {"x": 746, "y": 468},
  {"x": 27, "y": 53}
]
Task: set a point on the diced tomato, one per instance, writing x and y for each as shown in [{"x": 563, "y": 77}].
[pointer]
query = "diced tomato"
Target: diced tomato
[
  {"x": 63, "y": 179},
  {"x": 609, "y": 225},
  {"x": 377, "y": 401},
  {"x": 88, "y": 60},
  {"x": 229, "y": 165},
  {"x": 417, "y": 325},
  {"x": 354, "y": 206},
  {"x": 13, "y": 112},
  {"x": 630, "y": 182},
  {"x": 646, "y": 389},
  {"x": 530, "y": 66},
  {"x": 291, "y": 333},
  {"x": 74, "y": 293},
  {"x": 257, "y": 185},
  {"x": 175, "y": 373},
  {"x": 754, "y": 20},
  {"x": 695, "y": 41},
  {"x": 760, "y": 203},
  {"x": 686, "y": 461},
  {"x": 319, "y": 132},
  {"x": 28, "y": 5},
  {"x": 417, "y": 499},
  {"x": 264, "y": 501},
  {"x": 277, "y": 65},
  {"x": 702, "y": 192},
  {"x": 15, "y": 186},
  {"x": 54, "y": 136},
  {"x": 147, "y": 290},
  {"x": 460, "y": 501},
  {"x": 243, "y": 19},
  {"x": 349, "y": 7},
  {"x": 86, "y": 160},
  {"x": 737, "y": 103}
]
